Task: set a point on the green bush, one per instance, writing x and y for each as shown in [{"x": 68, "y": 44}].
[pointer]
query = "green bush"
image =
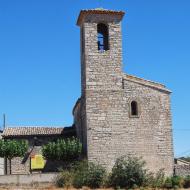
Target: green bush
[
  {"x": 168, "y": 183},
  {"x": 128, "y": 171},
  {"x": 13, "y": 148},
  {"x": 64, "y": 179},
  {"x": 62, "y": 149},
  {"x": 174, "y": 182},
  {"x": 177, "y": 181},
  {"x": 88, "y": 174},
  {"x": 155, "y": 180},
  {"x": 59, "y": 181},
  {"x": 187, "y": 182}
]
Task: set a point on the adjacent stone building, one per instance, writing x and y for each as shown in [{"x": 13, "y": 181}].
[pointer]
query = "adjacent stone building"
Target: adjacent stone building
[
  {"x": 118, "y": 114},
  {"x": 36, "y": 137}
]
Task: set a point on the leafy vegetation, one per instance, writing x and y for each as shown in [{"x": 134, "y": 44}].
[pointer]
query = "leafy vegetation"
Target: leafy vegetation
[
  {"x": 82, "y": 174},
  {"x": 156, "y": 180},
  {"x": 62, "y": 149},
  {"x": 88, "y": 174},
  {"x": 128, "y": 171},
  {"x": 186, "y": 182},
  {"x": 13, "y": 148},
  {"x": 64, "y": 179},
  {"x": 168, "y": 183},
  {"x": 177, "y": 181}
]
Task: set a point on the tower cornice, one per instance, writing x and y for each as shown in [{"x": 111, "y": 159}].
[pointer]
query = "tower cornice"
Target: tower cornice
[{"x": 84, "y": 13}]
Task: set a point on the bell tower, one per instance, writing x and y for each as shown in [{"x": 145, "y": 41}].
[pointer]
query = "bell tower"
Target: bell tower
[
  {"x": 101, "y": 83},
  {"x": 101, "y": 49}
]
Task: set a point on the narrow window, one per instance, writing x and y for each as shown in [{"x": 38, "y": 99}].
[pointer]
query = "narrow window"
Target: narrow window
[
  {"x": 134, "y": 108},
  {"x": 103, "y": 43}
]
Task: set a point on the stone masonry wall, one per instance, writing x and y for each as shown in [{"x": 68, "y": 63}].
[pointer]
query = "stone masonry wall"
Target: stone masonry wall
[
  {"x": 80, "y": 123},
  {"x": 106, "y": 96},
  {"x": 102, "y": 69},
  {"x": 182, "y": 170},
  {"x": 151, "y": 132},
  {"x": 113, "y": 133}
]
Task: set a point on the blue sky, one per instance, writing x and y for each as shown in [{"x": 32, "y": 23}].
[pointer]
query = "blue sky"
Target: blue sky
[{"x": 40, "y": 57}]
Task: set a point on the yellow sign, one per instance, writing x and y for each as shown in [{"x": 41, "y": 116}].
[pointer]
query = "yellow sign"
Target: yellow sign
[{"x": 37, "y": 162}]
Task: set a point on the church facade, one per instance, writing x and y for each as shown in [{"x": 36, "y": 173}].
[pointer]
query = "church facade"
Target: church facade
[{"x": 119, "y": 114}]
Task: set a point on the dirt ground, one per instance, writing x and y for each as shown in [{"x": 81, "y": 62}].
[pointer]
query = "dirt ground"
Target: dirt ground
[
  {"x": 29, "y": 188},
  {"x": 41, "y": 188},
  {"x": 55, "y": 188},
  {"x": 44, "y": 188}
]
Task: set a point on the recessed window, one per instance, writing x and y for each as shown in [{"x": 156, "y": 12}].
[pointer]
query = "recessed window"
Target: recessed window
[
  {"x": 134, "y": 108},
  {"x": 103, "y": 37}
]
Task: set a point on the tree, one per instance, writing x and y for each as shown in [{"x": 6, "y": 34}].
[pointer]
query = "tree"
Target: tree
[{"x": 13, "y": 148}]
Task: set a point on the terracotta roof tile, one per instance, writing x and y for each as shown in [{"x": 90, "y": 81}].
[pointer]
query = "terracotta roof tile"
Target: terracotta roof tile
[{"x": 27, "y": 131}]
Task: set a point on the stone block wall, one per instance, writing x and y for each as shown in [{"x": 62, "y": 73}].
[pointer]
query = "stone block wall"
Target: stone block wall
[
  {"x": 152, "y": 130},
  {"x": 111, "y": 132},
  {"x": 182, "y": 170},
  {"x": 102, "y": 117},
  {"x": 101, "y": 69}
]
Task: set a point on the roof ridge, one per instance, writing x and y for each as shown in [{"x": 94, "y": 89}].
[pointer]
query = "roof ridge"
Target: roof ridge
[
  {"x": 34, "y": 126},
  {"x": 146, "y": 82},
  {"x": 33, "y": 131}
]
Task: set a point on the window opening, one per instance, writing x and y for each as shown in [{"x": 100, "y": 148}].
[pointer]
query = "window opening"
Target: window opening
[
  {"x": 134, "y": 108},
  {"x": 102, "y": 37}
]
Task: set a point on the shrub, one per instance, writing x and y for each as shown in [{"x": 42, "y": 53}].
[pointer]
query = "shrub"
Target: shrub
[
  {"x": 59, "y": 181},
  {"x": 64, "y": 179},
  {"x": 177, "y": 181},
  {"x": 88, "y": 174},
  {"x": 128, "y": 171},
  {"x": 187, "y": 182},
  {"x": 62, "y": 149},
  {"x": 168, "y": 183},
  {"x": 96, "y": 175},
  {"x": 155, "y": 180}
]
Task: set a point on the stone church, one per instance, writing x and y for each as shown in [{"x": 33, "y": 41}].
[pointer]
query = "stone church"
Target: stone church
[{"x": 119, "y": 114}]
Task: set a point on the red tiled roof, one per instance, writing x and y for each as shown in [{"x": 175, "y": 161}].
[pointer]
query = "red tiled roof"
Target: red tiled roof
[
  {"x": 27, "y": 131},
  {"x": 98, "y": 11}
]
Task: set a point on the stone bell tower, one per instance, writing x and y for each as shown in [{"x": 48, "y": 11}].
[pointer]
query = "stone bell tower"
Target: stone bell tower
[
  {"x": 101, "y": 49},
  {"x": 101, "y": 82}
]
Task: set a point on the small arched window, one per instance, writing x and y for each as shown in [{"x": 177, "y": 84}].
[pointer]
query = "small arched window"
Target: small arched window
[
  {"x": 134, "y": 108},
  {"x": 103, "y": 37}
]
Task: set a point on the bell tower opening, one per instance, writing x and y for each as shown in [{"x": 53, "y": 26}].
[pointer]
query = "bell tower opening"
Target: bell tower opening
[{"x": 103, "y": 37}]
